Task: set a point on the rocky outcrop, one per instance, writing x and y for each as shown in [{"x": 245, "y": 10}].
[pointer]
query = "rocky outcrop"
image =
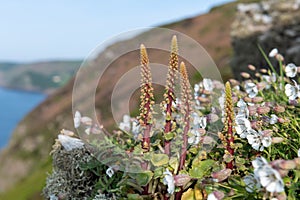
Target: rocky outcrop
[{"x": 270, "y": 24}]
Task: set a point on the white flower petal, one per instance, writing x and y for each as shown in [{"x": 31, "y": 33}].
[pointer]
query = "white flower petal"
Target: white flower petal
[
  {"x": 77, "y": 119},
  {"x": 273, "y": 52},
  {"x": 70, "y": 143},
  {"x": 291, "y": 70}
]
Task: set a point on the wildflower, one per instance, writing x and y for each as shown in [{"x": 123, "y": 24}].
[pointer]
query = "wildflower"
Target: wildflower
[
  {"x": 268, "y": 177},
  {"x": 243, "y": 126},
  {"x": 195, "y": 137},
  {"x": 169, "y": 180},
  {"x": 251, "y": 89},
  {"x": 258, "y": 140},
  {"x": 243, "y": 109},
  {"x": 268, "y": 80},
  {"x": 70, "y": 143},
  {"x": 291, "y": 70},
  {"x": 198, "y": 121},
  {"x": 273, "y": 52},
  {"x": 216, "y": 195},
  {"x": 208, "y": 84},
  {"x": 292, "y": 91},
  {"x": 252, "y": 183},
  {"x": 110, "y": 172},
  {"x": 273, "y": 119},
  {"x": 77, "y": 119},
  {"x": 125, "y": 125}
]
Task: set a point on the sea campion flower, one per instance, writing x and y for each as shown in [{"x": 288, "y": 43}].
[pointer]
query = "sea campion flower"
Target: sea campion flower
[
  {"x": 291, "y": 70},
  {"x": 70, "y": 143},
  {"x": 110, "y": 172},
  {"x": 251, "y": 89},
  {"x": 77, "y": 119},
  {"x": 242, "y": 127},
  {"x": 273, "y": 119},
  {"x": 125, "y": 124},
  {"x": 252, "y": 183},
  {"x": 258, "y": 140},
  {"x": 216, "y": 195},
  {"x": 273, "y": 53},
  {"x": 292, "y": 91},
  {"x": 169, "y": 181},
  {"x": 243, "y": 110},
  {"x": 269, "y": 178}
]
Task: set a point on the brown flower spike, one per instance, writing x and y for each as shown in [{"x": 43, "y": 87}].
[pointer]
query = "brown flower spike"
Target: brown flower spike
[
  {"x": 146, "y": 98},
  {"x": 186, "y": 100},
  {"x": 169, "y": 95},
  {"x": 229, "y": 122}
]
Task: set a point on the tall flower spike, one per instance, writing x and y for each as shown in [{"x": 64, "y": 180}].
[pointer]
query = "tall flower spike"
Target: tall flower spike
[
  {"x": 169, "y": 96},
  {"x": 146, "y": 98},
  {"x": 186, "y": 99},
  {"x": 229, "y": 120}
]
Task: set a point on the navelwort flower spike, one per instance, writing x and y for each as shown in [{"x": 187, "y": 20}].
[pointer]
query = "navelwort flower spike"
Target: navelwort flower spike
[
  {"x": 186, "y": 100},
  {"x": 228, "y": 124},
  {"x": 146, "y": 98},
  {"x": 169, "y": 95}
]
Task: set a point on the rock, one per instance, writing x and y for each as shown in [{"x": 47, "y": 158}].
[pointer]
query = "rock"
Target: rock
[{"x": 270, "y": 24}]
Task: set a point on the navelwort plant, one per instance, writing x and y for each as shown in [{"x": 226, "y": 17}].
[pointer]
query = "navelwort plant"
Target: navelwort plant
[{"x": 243, "y": 145}]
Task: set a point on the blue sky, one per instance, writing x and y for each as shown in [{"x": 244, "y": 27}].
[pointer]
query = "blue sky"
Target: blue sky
[{"x": 35, "y": 30}]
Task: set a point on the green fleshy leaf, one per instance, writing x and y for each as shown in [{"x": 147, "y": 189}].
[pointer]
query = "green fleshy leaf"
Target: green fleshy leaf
[
  {"x": 201, "y": 168},
  {"x": 134, "y": 197},
  {"x": 159, "y": 159},
  {"x": 174, "y": 163},
  {"x": 158, "y": 172},
  {"x": 169, "y": 136},
  {"x": 142, "y": 178}
]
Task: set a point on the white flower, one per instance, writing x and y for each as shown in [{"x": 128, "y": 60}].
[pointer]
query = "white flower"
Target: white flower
[
  {"x": 125, "y": 125},
  {"x": 273, "y": 52},
  {"x": 243, "y": 110},
  {"x": 212, "y": 196},
  {"x": 110, "y": 172},
  {"x": 292, "y": 91},
  {"x": 199, "y": 122},
  {"x": 196, "y": 88},
  {"x": 298, "y": 152},
  {"x": 53, "y": 197},
  {"x": 274, "y": 119},
  {"x": 70, "y": 143},
  {"x": 169, "y": 180},
  {"x": 258, "y": 140},
  {"x": 268, "y": 177},
  {"x": 194, "y": 139},
  {"x": 268, "y": 80},
  {"x": 251, "y": 89},
  {"x": 243, "y": 126},
  {"x": 135, "y": 127},
  {"x": 77, "y": 119},
  {"x": 208, "y": 84},
  {"x": 291, "y": 70},
  {"x": 251, "y": 182}
]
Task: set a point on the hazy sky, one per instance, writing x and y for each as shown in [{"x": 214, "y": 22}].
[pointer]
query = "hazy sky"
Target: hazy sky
[{"x": 69, "y": 29}]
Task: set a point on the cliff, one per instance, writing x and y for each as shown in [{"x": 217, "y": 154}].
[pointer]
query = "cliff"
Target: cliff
[{"x": 26, "y": 160}]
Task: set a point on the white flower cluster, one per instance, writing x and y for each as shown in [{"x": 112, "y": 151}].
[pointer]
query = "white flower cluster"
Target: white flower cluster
[
  {"x": 257, "y": 139},
  {"x": 130, "y": 125},
  {"x": 198, "y": 125},
  {"x": 169, "y": 181},
  {"x": 267, "y": 176}
]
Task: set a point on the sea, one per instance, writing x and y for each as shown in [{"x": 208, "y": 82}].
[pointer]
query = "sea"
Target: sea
[{"x": 14, "y": 105}]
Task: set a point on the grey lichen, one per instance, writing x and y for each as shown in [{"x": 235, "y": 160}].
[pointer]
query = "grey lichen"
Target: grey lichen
[{"x": 68, "y": 180}]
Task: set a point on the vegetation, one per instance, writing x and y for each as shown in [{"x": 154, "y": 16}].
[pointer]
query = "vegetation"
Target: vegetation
[{"x": 237, "y": 142}]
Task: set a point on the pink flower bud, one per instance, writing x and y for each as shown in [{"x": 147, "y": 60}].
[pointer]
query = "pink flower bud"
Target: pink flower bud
[
  {"x": 263, "y": 110},
  {"x": 245, "y": 75},
  {"x": 279, "y": 109},
  {"x": 263, "y": 71},
  {"x": 181, "y": 179},
  {"x": 276, "y": 140},
  {"x": 221, "y": 175},
  {"x": 252, "y": 110},
  {"x": 211, "y": 118},
  {"x": 257, "y": 99},
  {"x": 251, "y": 67}
]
